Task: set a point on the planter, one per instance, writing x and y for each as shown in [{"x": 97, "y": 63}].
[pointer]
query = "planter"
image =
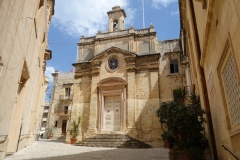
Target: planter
[
  {"x": 178, "y": 155},
  {"x": 49, "y": 137},
  {"x": 73, "y": 140},
  {"x": 167, "y": 144}
]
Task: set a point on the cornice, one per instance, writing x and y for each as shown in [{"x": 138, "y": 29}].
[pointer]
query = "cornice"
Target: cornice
[
  {"x": 119, "y": 10},
  {"x": 118, "y": 34},
  {"x": 51, "y": 3},
  {"x": 207, "y": 31},
  {"x": 133, "y": 61},
  {"x": 113, "y": 49}
]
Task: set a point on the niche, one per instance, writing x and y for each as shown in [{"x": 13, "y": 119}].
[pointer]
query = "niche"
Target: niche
[{"x": 115, "y": 24}]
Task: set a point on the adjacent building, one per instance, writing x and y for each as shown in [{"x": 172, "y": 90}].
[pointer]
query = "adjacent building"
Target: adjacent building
[
  {"x": 211, "y": 36},
  {"x": 23, "y": 54},
  {"x": 61, "y": 103},
  {"x": 44, "y": 117}
]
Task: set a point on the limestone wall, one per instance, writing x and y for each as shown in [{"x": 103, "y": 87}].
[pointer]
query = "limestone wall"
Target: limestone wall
[
  {"x": 59, "y": 101},
  {"x": 149, "y": 82},
  {"x": 211, "y": 54},
  {"x": 22, "y": 81}
]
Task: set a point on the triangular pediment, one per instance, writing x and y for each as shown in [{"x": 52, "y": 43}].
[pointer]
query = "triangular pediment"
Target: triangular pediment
[{"x": 113, "y": 49}]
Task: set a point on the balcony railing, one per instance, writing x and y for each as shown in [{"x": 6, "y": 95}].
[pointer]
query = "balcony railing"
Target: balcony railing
[
  {"x": 45, "y": 110},
  {"x": 65, "y": 98},
  {"x": 63, "y": 113}
]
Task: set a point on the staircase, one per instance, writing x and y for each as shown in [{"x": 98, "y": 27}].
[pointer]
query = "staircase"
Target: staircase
[{"x": 112, "y": 141}]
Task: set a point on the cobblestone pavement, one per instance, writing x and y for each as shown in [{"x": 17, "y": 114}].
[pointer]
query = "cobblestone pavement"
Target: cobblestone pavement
[{"x": 54, "y": 150}]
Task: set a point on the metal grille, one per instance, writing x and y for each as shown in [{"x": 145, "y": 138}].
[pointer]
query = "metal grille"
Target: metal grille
[{"x": 232, "y": 88}]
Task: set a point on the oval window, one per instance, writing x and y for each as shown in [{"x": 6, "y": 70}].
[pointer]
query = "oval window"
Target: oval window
[{"x": 113, "y": 63}]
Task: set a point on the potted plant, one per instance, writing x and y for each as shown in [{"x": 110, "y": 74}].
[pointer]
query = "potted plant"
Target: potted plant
[
  {"x": 50, "y": 132},
  {"x": 183, "y": 118},
  {"x": 167, "y": 137},
  {"x": 74, "y": 131}
]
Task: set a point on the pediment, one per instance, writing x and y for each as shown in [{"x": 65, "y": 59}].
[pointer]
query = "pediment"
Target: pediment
[
  {"x": 113, "y": 81},
  {"x": 113, "y": 49}
]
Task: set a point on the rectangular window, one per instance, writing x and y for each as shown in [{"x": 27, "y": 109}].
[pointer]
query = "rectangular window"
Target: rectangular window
[
  {"x": 174, "y": 66},
  {"x": 44, "y": 124},
  {"x": 46, "y": 107},
  {"x": 45, "y": 115},
  {"x": 175, "y": 95},
  {"x": 66, "y": 110},
  {"x": 67, "y": 92},
  {"x": 56, "y": 123}
]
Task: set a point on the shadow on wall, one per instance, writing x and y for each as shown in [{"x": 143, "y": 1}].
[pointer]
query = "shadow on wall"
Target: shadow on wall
[
  {"x": 147, "y": 128},
  {"x": 85, "y": 86},
  {"x": 148, "y": 97}
]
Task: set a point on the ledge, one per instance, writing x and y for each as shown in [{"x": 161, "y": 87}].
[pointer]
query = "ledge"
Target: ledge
[{"x": 235, "y": 130}]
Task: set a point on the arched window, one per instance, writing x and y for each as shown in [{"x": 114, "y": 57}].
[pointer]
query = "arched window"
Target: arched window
[{"x": 115, "y": 24}]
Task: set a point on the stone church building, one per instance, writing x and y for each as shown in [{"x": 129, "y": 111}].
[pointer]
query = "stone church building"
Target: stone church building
[{"x": 122, "y": 76}]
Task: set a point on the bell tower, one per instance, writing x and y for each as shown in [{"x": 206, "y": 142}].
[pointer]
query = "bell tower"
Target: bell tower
[{"x": 116, "y": 19}]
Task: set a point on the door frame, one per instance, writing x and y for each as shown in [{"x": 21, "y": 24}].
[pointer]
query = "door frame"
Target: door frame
[
  {"x": 64, "y": 120},
  {"x": 108, "y": 87}
]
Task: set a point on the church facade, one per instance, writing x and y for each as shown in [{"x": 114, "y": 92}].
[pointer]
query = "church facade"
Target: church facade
[{"x": 122, "y": 76}]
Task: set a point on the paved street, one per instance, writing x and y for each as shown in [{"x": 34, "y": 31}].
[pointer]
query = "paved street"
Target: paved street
[{"x": 46, "y": 149}]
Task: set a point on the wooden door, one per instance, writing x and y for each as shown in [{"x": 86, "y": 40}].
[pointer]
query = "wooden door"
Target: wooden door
[
  {"x": 64, "y": 126},
  {"x": 111, "y": 113}
]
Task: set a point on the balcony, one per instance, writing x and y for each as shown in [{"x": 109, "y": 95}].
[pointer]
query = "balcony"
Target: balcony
[
  {"x": 63, "y": 113},
  {"x": 65, "y": 97},
  {"x": 44, "y": 119},
  {"x": 45, "y": 110}
]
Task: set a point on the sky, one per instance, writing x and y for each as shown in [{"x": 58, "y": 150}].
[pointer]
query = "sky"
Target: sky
[{"x": 74, "y": 18}]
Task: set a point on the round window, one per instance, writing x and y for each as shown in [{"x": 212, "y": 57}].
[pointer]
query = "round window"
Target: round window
[{"x": 113, "y": 63}]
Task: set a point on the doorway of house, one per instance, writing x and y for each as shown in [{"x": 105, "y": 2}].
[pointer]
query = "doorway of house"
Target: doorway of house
[{"x": 64, "y": 127}]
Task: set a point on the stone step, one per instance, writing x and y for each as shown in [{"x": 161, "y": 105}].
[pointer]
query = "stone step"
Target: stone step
[
  {"x": 125, "y": 143},
  {"x": 114, "y": 145},
  {"x": 107, "y": 140},
  {"x": 112, "y": 141}
]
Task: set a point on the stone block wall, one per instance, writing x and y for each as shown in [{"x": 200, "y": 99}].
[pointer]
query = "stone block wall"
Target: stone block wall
[{"x": 23, "y": 47}]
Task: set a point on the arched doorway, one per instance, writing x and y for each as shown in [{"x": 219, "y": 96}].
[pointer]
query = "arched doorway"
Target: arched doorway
[{"x": 112, "y": 105}]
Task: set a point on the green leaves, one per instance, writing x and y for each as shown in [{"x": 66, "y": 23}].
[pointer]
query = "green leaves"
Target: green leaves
[
  {"x": 74, "y": 131},
  {"x": 184, "y": 122}
]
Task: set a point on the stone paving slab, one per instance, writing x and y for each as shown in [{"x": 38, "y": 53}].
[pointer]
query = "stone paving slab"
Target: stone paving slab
[{"x": 53, "y": 150}]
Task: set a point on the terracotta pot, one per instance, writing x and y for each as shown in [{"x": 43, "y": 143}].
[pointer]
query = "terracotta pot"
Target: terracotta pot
[
  {"x": 49, "y": 137},
  {"x": 181, "y": 155},
  {"x": 73, "y": 140},
  {"x": 167, "y": 144}
]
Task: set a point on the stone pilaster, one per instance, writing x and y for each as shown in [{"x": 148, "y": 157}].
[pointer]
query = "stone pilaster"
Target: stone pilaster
[
  {"x": 152, "y": 43},
  {"x": 131, "y": 127},
  {"x": 92, "y": 129},
  {"x": 131, "y": 43},
  {"x": 188, "y": 80}
]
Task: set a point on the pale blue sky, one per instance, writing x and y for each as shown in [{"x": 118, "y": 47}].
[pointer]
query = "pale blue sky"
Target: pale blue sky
[{"x": 71, "y": 20}]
